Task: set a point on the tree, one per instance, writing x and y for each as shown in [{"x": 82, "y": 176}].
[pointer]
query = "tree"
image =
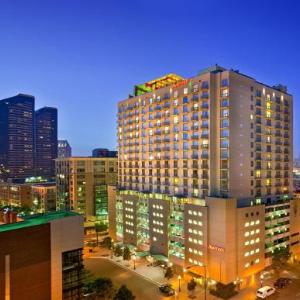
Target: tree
[
  {"x": 224, "y": 291},
  {"x": 107, "y": 242},
  {"x": 103, "y": 287},
  {"x": 118, "y": 251},
  {"x": 191, "y": 286},
  {"x": 124, "y": 293},
  {"x": 99, "y": 227},
  {"x": 169, "y": 273},
  {"x": 88, "y": 282},
  {"x": 280, "y": 257},
  {"x": 126, "y": 253}
]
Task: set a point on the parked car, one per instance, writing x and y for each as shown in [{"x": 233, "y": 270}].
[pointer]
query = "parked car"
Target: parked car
[
  {"x": 282, "y": 282},
  {"x": 265, "y": 291},
  {"x": 167, "y": 289}
]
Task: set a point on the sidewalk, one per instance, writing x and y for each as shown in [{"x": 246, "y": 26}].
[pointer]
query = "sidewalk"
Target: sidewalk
[{"x": 153, "y": 274}]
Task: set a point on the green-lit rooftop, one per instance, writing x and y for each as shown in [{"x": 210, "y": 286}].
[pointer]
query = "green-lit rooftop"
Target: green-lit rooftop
[{"x": 38, "y": 219}]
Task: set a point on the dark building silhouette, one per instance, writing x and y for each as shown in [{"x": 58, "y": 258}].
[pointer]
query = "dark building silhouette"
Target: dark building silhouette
[
  {"x": 17, "y": 136},
  {"x": 45, "y": 141},
  {"x": 102, "y": 152},
  {"x": 64, "y": 149}
]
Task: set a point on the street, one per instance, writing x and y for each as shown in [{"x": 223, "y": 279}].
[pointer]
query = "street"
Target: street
[
  {"x": 145, "y": 280},
  {"x": 141, "y": 288}
]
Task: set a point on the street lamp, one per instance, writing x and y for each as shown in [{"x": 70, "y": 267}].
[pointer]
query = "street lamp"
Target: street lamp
[
  {"x": 184, "y": 271},
  {"x": 179, "y": 278},
  {"x": 134, "y": 258},
  {"x": 112, "y": 249},
  {"x": 205, "y": 282},
  {"x": 261, "y": 279}
]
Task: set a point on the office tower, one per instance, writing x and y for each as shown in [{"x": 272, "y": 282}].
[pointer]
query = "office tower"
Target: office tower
[
  {"x": 101, "y": 152},
  {"x": 17, "y": 136},
  {"x": 205, "y": 173},
  {"x": 64, "y": 149},
  {"x": 45, "y": 141},
  {"x": 46, "y": 262},
  {"x": 82, "y": 185}
]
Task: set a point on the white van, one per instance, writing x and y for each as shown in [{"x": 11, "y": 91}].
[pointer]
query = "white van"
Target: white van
[{"x": 265, "y": 291}]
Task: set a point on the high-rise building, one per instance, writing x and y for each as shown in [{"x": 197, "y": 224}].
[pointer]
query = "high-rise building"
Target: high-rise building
[
  {"x": 205, "y": 173},
  {"x": 17, "y": 136},
  {"x": 82, "y": 185},
  {"x": 102, "y": 152},
  {"x": 46, "y": 261},
  {"x": 45, "y": 141},
  {"x": 64, "y": 149}
]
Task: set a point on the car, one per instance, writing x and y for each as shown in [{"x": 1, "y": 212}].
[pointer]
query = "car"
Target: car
[
  {"x": 282, "y": 282},
  {"x": 265, "y": 291},
  {"x": 167, "y": 289}
]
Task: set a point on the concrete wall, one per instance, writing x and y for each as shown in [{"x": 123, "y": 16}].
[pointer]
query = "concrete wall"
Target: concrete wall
[{"x": 66, "y": 234}]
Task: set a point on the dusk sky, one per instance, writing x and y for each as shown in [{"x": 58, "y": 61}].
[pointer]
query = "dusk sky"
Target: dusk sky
[{"x": 84, "y": 56}]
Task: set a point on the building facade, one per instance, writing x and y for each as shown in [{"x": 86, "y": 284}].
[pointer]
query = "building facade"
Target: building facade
[
  {"x": 45, "y": 141},
  {"x": 37, "y": 197},
  {"x": 51, "y": 253},
  {"x": 205, "y": 172},
  {"x": 64, "y": 149},
  {"x": 17, "y": 136},
  {"x": 82, "y": 185}
]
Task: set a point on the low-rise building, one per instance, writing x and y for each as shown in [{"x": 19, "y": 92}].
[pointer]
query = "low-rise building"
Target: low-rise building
[
  {"x": 38, "y": 197},
  {"x": 41, "y": 257}
]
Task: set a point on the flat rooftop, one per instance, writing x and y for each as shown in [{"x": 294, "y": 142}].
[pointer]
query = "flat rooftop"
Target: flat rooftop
[{"x": 38, "y": 219}]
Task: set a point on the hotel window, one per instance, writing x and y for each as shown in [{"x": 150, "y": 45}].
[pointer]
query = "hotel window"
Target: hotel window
[
  {"x": 224, "y": 123},
  {"x": 224, "y": 113},
  {"x": 185, "y": 100},
  {"x": 224, "y": 82}
]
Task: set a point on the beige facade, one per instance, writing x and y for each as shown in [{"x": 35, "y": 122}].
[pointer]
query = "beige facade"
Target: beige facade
[
  {"x": 82, "y": 185},
  {"x": 205, "y": 172}
]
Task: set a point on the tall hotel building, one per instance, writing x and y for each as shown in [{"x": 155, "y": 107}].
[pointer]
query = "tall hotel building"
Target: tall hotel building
[{"x": 205, "y": 173}]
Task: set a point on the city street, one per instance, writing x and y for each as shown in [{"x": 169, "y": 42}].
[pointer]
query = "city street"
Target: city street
[
  {"x": 145, "y": 280},
  {"x": 142, "y": 288}
]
